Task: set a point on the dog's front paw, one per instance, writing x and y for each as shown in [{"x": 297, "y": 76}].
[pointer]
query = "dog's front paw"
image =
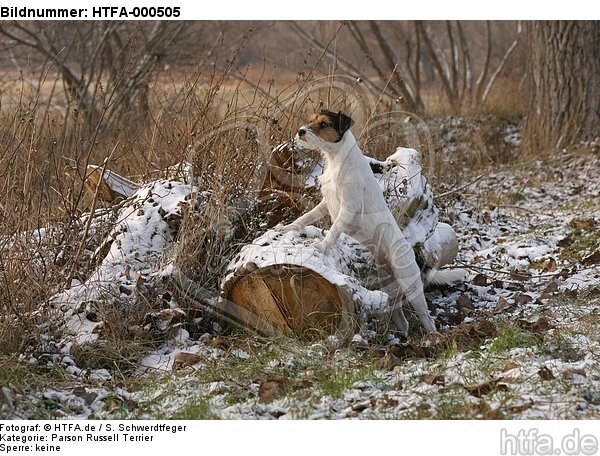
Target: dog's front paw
[{"x": 323, "y": 246}]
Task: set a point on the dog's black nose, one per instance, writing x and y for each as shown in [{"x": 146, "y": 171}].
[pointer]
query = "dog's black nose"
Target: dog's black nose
[{"x": 301, "y": 132}]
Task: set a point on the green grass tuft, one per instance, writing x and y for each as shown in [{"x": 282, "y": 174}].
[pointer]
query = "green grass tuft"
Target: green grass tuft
[
  {"x": 197, "y": 408},
  {"x": 513, "y": 336}
]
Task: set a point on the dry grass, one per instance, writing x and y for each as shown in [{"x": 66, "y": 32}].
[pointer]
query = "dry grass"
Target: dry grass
[{"x": 225, "y": 127}]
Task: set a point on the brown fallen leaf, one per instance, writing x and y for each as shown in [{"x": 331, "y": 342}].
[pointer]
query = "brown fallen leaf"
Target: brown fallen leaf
[
  {"x": 522, "y": 298},
  {"x": 592, "y": 259},
  {"x": 568, "y": 374},
  {"x": 139, "y": 281},
  {"x": 548, "y": 313},
  {"x": 453, "y": 318},
  {"x": 484, "y": 328},
  {"x": 183, "y": 359},
  {"x": 582, "y": 224},
  {"x": 397, "y": 386},
  {"x": 550, "y": 289},
  {"x": 433, "y": 379},
  {"x": 272, "y": 388},
  {"x": 481, "y": 389},
  {"x": 387, "y": 400},
  {"x": 514, "y": 286},
  {"x": 465, "y": 305},
  {"x": 303, "y": 384},
  {"x": 495, "y": 414},
  {"x": 389, "y": 361},
  {"x": 518, "y": 408},
  {"x": 571, "y": 293},
  {"x": 566, "y": 241},
  {"x": 221, "y": 342},
  {"x": 127, "y": 272},
  {"x": 545, "y": 373},
  {"x": 165, "y": 315},
  {"x": 537, "y": 264},
  {"x": 85, "y": 394},
  {"x": 481, "y": 280},
  {"x": 542, "y": 324},
  {"x": 111, "y": 404},
  {"x": 509, "y": 366},
  {"x": 277, "y": 413},
  {"x": 405, "y": 351},
  {"x": 503, "y": 304},
  {"x": 550, "y": 265}
]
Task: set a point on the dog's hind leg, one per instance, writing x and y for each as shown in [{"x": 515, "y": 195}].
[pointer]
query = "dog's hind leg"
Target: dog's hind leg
[
  {"x": 388, "y": 284},
  {"x": 398, "y": 318},
  {"x": 395, "y": 250}
]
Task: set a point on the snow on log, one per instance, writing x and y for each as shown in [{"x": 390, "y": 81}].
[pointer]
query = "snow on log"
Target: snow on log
[
  {"x": 411, "y": 202},
  {"x": 132, "y": 252}
]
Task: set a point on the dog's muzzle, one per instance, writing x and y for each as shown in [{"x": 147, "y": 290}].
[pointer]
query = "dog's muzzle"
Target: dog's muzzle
[{"x": 302, "y": 132}]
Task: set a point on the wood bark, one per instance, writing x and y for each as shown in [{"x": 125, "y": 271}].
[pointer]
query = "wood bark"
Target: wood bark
[{"x": 563, "y": 82}]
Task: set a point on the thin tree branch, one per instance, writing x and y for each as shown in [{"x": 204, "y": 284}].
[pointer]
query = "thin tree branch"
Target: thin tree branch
[
  {"x": 392, "y": 59},
  {"x": 467, "y": 73},
  {"x": 344, "y": 64},
  {"x": 453, "y": 60},
  {"x": 486, "y": 65},
  {"x": 507, "y": 54},
  {"x": 435, "y": 59}
]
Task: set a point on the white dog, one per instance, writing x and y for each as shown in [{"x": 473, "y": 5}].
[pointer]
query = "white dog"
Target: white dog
[{"x": 356, "y": 205}]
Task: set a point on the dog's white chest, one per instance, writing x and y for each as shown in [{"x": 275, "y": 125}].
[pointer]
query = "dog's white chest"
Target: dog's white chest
[{"x": 331, "y": 195}]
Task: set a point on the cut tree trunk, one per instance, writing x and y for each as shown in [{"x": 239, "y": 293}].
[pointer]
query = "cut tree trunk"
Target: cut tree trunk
[
  {"x": 563, "y": 105},
  {"x": 296, "y": 300},
  {"x": 107, "y": 186},
  {"x": 284, "y": 280}
]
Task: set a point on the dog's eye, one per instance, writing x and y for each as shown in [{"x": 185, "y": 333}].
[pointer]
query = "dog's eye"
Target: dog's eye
[{"x": 323, "y": 125}]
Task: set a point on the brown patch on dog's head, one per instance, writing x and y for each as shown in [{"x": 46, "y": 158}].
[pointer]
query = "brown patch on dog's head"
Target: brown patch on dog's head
[{"x": 330, "y": 126}]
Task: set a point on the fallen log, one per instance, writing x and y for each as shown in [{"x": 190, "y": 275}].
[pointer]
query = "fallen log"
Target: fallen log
[
  {"x": 111, "y": 187},
  {"x": 284, "y": 280}
]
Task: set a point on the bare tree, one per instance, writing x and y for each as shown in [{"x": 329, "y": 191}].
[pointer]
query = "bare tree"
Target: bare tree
[
  {"x": 563, "y": 78},
  {"x": 105, "y": 67},
  {"x": 403, "y": 57},
  {"x": 455, "y": 68},
  {"x": 387, "y": 66}
]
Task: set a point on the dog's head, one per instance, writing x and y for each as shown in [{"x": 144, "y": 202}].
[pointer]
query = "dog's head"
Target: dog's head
[{"x": 324, "y": 128}]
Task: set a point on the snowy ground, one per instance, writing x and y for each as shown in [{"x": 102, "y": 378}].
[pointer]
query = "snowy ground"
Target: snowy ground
[{"x": 519, "y": 339}]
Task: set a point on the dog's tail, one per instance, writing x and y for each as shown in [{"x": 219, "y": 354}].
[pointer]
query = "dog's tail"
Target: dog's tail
[{"x": 443, "y": 276}]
